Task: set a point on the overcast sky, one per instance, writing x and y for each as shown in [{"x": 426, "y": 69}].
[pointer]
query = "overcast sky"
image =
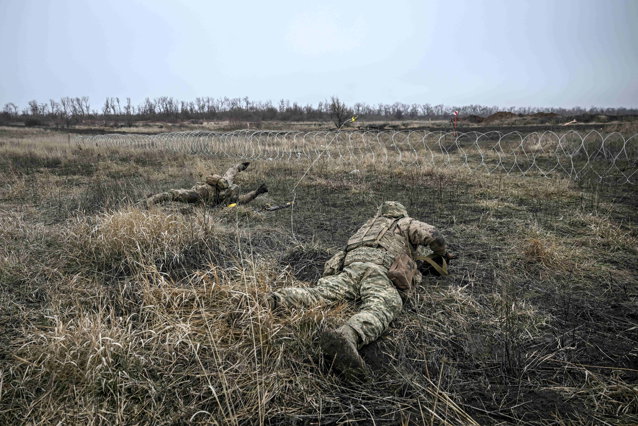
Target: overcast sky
[{"x": 553, "y": 53}]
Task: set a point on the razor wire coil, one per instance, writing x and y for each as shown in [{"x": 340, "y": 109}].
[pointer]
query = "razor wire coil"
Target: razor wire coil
[{"x": 602, "y": 156}]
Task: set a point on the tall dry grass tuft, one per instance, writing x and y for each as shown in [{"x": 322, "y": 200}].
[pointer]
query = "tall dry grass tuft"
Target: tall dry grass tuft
[
  {"x": 130, "y": 240},
  {"x": 537, "y": 247},
  {"x": 208, "y": 352},
  {"x": 602, "y": 232},
  {"x": 539, "y": 251}
]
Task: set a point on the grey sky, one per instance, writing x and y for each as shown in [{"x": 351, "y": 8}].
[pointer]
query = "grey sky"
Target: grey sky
[{"x": 509, "y": 53}]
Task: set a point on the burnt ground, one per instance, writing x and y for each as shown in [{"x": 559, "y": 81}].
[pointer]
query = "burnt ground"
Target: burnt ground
[
  {"x": 594, "y": 319},
  {"x": 474, "y": 334}
]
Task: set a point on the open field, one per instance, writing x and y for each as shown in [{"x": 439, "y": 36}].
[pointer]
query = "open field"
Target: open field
[
  {"x": 112, "y": 313},
  {"x": 588, "y": 156}
]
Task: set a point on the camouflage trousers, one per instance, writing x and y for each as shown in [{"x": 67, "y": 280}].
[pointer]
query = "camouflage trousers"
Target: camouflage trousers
[
  {"x": 209, "y": 194},
  {"x": 199, "y": 193},
  {"x": 203, "y": 194},
  {"x": 363, "y": 282}
]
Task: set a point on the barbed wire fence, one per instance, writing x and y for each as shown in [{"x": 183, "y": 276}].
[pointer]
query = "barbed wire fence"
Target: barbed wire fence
[{"x": 597, "y": 156}]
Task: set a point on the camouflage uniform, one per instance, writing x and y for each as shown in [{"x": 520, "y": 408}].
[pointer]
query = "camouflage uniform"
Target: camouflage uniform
[
  {"x": 363, "y": 275},
  {"x": 215, "y": 190}
]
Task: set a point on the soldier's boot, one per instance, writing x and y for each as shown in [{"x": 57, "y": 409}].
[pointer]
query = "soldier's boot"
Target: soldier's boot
[
  {"x": 269, "y": 300},
  {"x": 340, "y": 348},
  {"x": 243, "y": 166},
  {"x": 158, "y": 198},
  {"x": 273, "y": 302},
  {"x": 262, "y": 189}
]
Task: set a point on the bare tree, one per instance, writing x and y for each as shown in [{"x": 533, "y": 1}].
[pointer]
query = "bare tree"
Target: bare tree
[
  {"x": 10, "y": 109},
  {"x": 65, "y": 104},
  {"x": 340, "y": 114},
  {"x": 34, "y": 108}
]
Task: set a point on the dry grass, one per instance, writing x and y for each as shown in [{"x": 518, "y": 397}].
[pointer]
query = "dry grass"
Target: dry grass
[
  {"x": 116, "y": 314},
  {"x": 127, "y": 240}
]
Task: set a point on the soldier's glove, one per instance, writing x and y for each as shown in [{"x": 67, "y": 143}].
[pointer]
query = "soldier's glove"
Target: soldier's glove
[{"x": 262, "y": 189}]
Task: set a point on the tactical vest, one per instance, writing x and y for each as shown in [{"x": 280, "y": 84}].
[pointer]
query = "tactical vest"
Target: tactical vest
[{"x": 378, "y": 233}]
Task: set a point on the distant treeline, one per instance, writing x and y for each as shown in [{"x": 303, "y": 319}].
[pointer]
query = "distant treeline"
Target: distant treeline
[{"x": 69, "y": 111}]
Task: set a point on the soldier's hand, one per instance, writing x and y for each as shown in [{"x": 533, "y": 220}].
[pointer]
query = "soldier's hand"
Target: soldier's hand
[{"x": 423, "y": 267}]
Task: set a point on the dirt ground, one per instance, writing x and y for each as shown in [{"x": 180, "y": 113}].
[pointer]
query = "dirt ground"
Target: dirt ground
[{"x": 111, "y": 312}]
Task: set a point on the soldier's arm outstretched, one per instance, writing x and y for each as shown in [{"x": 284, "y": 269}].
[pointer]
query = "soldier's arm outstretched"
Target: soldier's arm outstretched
[
  {"x": 232, "y": 172},
  {"x": 249, "y": 196},
  {"x": 421, "y": 233}
]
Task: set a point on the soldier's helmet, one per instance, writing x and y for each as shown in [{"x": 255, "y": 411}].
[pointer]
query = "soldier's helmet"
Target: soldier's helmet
[
  {"x": 392, "y": 209},
  {"x": 217, "y": 181}
]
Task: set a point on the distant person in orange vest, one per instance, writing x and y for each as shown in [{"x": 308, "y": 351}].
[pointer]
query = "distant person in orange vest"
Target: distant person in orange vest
[{"x": 454, "y": 121}]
